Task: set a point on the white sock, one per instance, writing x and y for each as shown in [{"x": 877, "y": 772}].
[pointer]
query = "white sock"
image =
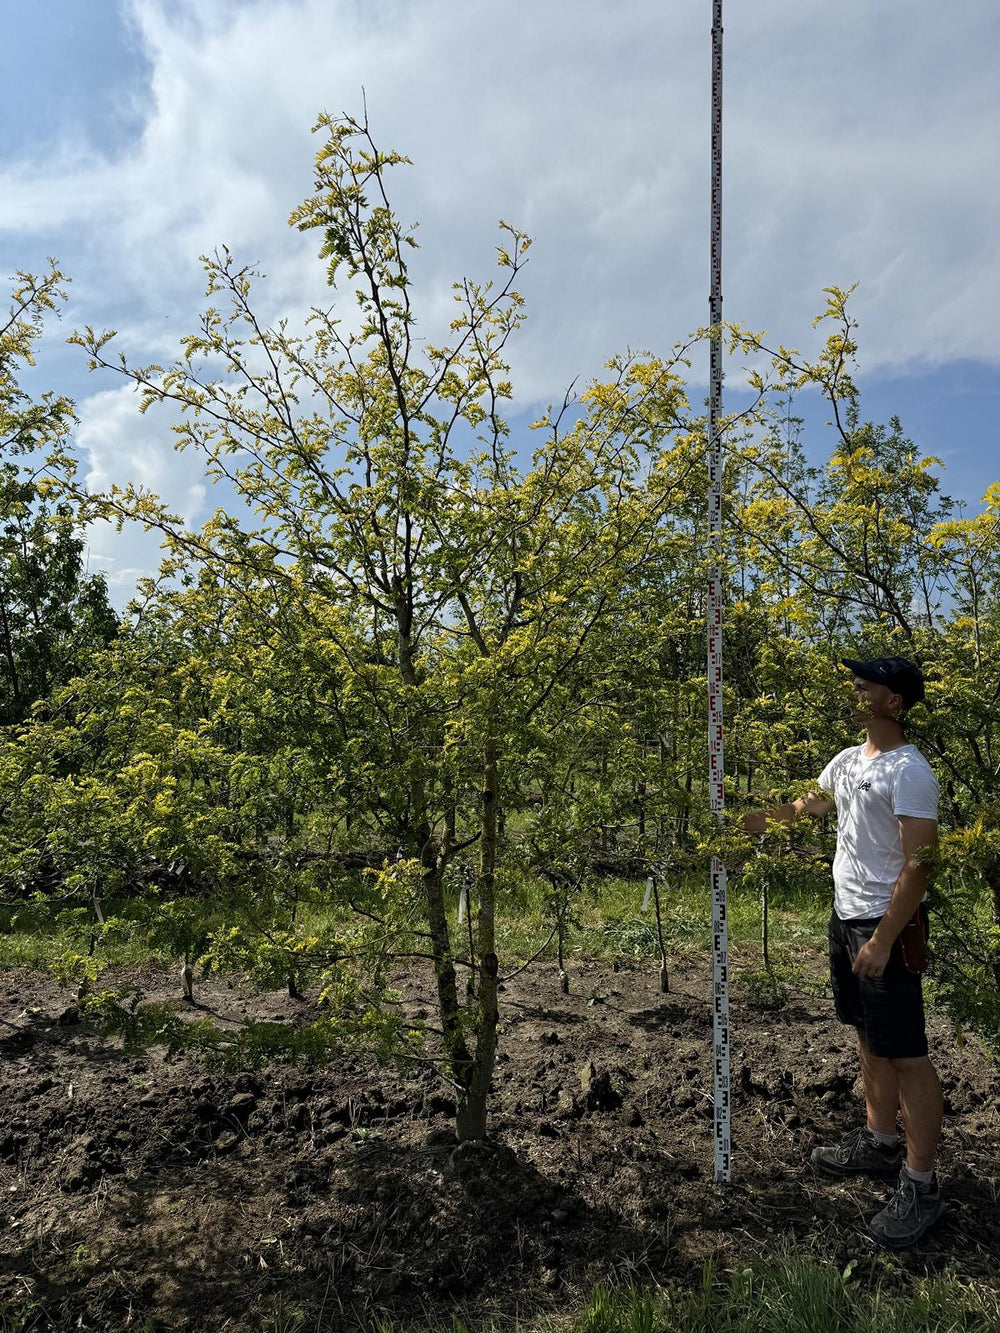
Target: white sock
[
  {"x": 886, "y": 1140},
  {"x": 921, "y": 1177}
]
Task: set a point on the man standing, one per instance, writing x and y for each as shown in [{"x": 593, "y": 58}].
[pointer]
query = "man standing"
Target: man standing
[{"x": 886, "y": 795}]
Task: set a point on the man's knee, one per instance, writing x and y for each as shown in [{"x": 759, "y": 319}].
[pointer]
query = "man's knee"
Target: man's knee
[{"x": 918, "y": 1065}]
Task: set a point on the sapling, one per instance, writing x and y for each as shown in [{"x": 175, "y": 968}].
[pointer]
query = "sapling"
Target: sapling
[
  {"x": 765, "y": 895},
  {"x": 562, "y": 890}
]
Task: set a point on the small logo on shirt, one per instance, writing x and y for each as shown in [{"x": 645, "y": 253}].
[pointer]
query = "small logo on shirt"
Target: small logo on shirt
[{"x": 864, "y": 786}]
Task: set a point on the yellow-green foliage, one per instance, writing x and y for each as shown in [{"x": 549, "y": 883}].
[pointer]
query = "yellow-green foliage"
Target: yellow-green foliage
[{"x": 417, "y": 623}]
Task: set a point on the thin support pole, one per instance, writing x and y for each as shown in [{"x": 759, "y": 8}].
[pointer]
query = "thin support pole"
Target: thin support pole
[{"x": 720, "y": 927}]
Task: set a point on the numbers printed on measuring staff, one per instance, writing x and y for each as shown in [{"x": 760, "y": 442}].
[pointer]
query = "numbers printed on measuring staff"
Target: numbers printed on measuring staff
[{"x": 713, "y": 618}]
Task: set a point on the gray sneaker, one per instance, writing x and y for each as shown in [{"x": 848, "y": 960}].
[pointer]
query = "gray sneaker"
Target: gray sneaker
[
  {"x": 908, "y": 1214},
  {"x": 858, "y": 1153}
]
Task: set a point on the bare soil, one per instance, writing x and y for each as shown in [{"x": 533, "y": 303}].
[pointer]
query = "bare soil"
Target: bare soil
[{"x": 142, "y": 1194}]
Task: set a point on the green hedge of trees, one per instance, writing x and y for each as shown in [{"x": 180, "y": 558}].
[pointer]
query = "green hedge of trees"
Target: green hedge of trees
[{"x": 418, "y": 650}]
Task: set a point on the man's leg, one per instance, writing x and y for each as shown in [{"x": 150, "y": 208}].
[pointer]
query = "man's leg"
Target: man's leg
[
  {"x": 894, "y": 1026},
  {"x": 881, "y": 1088},
  {"x": 916, "y": 1205},
  {"x": 872, "y": 1149},
  {"x": 859, "y": 1150},
  {"x": 923, "y": 1109}
]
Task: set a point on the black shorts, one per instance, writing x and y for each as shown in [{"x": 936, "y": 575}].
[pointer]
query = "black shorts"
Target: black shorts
[{"x": 888, "y": 1010}]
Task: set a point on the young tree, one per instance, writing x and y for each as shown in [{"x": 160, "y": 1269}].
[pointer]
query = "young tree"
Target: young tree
[
  {"x": 51, "y": 613},
  {"x": 456, "y": 588}
]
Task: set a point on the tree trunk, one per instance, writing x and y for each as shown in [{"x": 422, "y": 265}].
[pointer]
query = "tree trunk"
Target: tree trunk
[
  {"x": 450, "y": 818},
  {"x": 470, "y": 1121},
  {"x": 432, "y": 871},
  {"x": 604, "y": 782},
  {"x": 664, "y": 973},
  {"x": 456, "y": 1050}
]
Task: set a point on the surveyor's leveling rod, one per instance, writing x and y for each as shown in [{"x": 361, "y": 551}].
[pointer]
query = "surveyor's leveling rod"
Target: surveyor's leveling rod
[{"x": 720, "y": 926}]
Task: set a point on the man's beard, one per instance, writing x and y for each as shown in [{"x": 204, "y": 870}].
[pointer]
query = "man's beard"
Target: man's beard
[{"x": 862, "y": 714}]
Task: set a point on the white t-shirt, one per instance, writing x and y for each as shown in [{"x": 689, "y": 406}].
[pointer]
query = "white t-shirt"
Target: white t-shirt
[{"x": 870, "y": 793}]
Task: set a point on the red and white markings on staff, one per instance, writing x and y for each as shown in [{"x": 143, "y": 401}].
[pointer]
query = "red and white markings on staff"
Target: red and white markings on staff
[{"x": 716, "y": 767}]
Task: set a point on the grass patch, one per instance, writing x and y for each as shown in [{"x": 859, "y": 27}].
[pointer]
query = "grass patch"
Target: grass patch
[
  {"x": 612, "y": 926},
  {"x": 604, "y": 922},
  {"x": 791, "y": 1295}
]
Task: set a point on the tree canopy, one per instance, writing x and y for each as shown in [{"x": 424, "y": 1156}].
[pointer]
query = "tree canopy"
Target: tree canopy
[{"x": 419, "y": 652}]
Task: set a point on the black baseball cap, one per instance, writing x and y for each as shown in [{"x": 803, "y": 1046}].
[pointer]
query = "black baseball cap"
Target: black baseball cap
[{"x": 901, "y": 675}]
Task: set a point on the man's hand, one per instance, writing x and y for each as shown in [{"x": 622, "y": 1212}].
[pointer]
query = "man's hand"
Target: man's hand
[
  {"x": 755, "y": 822},
  {"x": 872, "y": 959},
  {"x": 815, "y": 803}
]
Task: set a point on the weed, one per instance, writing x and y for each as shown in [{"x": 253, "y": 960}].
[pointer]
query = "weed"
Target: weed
[
  {"x": 763, "y": 989},
  {"x": 286, "y": 1320},
  {"x": 82, "y": 1259},
  {"x": 631, "y": 939},
  {"x": 25, "y": 1320}
]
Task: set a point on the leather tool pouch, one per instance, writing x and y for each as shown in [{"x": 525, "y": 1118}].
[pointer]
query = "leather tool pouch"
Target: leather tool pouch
[{"x": 913, "y": 942}]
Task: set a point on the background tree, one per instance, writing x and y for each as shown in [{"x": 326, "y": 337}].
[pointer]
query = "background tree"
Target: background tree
[{"x": 51, "y": 613}]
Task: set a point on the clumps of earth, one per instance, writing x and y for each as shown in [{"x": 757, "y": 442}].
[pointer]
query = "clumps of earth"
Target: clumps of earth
[{"x": 135, "y": 1190}]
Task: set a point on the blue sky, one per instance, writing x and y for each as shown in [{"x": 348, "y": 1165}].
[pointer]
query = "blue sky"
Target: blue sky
[
  {"x": 862, "y": 146},
  {"x": 69, "y": 71}
]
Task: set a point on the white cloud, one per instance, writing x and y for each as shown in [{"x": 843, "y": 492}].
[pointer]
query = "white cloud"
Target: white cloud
[
  {"x": 118, "y": 446},
  {"x": 861, "y": 146},
  {"x": 858, "y": 146}
]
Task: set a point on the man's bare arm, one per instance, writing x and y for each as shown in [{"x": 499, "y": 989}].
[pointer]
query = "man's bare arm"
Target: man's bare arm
[
  {"x": 914, "y": 836},
  {"x": 813, "y": 803}
]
